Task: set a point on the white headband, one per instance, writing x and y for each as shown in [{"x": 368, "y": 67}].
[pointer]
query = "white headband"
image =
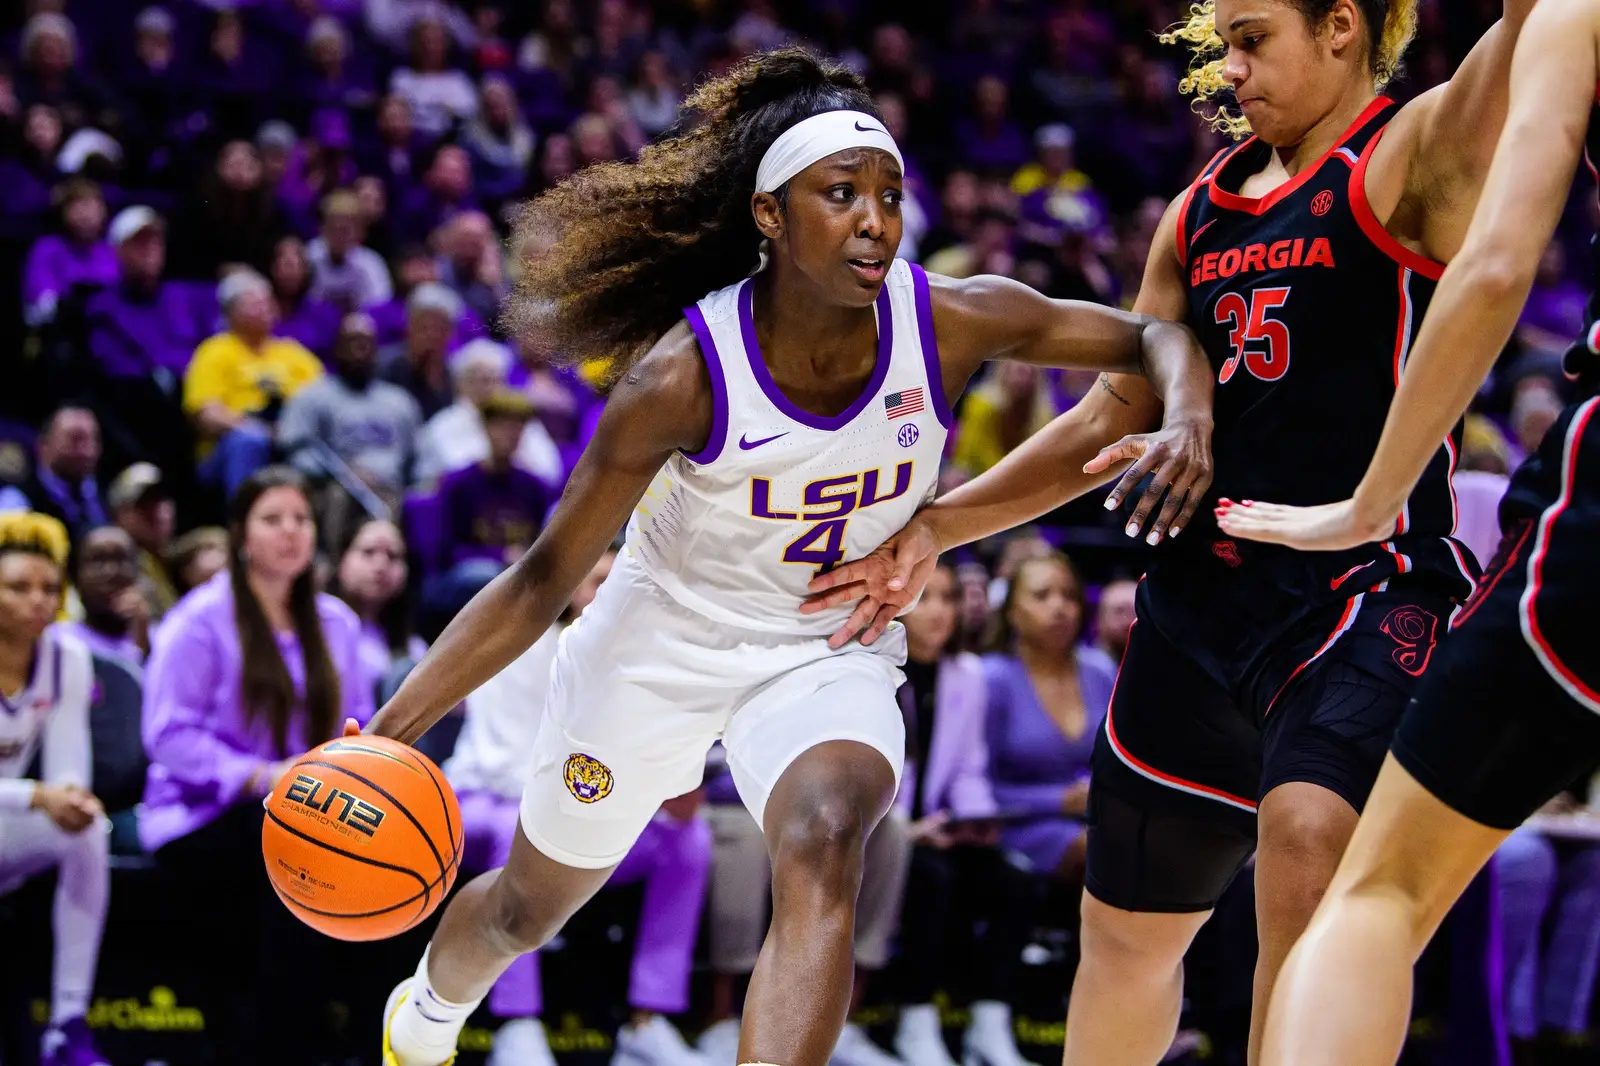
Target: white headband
[{"x": 817, "y": 138}]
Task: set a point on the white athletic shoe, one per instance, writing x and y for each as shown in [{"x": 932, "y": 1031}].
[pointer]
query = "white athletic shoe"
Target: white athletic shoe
[
  {"x": 990, "y": 1039},
  {"x": 521, "y": 1042},
  {"x": 720, "y": 1043},
  {"x": 855, "y": 1048},
  {"x": 655, "y": 1043},
  {"x": 396, "y": 998},
  {"x": 919, "y": 1039}
]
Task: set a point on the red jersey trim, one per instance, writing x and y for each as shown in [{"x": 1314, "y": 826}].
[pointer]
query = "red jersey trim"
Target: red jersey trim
[
  {"x": 1181, "y": 230},
  {"x": 1260, "y": 205},
  {"x": 1380, "y": 237}
]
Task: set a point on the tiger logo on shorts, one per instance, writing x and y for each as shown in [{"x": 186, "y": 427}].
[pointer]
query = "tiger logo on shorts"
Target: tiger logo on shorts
[{"x": 588, "y": 779}]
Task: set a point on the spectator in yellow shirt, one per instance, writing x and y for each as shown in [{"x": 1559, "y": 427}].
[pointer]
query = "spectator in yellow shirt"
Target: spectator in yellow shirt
[
  {"x": 1012, "y": 404},
  {"x": 237, "y": 382}
]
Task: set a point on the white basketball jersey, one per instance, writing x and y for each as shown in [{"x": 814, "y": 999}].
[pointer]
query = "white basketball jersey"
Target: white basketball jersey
[
  {"x": 63, "y": 675},
  {"x": 737, "y": 530}
]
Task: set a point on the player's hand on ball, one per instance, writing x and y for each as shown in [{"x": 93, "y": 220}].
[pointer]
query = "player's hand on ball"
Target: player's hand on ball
[
  {"x": 886, "y": 582},
  {"x": 1325, "y": 527},
  {"x": 71, "y": 807},
  {"x": 1180, "y": 456}
]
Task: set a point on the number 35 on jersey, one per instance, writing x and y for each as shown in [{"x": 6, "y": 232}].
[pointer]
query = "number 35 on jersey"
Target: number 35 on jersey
[{"x": 824, "y": 509}]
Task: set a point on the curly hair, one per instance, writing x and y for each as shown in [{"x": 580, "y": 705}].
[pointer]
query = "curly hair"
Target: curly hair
[
  {"x": 1204, "y": 79},
  {"x": 613, "y": 254}
]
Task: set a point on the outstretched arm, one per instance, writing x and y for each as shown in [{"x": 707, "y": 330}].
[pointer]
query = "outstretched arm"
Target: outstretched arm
[
  {"x": 1481, "y": 293},
  {"x": 1074, "y": 454},
  {"x": 662, "y": 404},
  {"x": 990, "y": 317}
]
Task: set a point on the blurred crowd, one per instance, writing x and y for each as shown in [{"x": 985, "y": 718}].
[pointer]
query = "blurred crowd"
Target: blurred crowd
[{"x": 252, "y": 260}]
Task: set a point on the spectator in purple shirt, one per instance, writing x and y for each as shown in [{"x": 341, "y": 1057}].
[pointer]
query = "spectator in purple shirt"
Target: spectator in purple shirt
[
  {"x": 62, "y": 484},
  {"x": 143, "y": 325},
  {"x": 28, "y": 177},
  {"x": 493, "y": 510},
  {"x": 500, "y": 142},
  {"x": 248, "y": 671},
  {"x": 989, "y": 140},
  {"x": 51, "y": 74},
  {"x": 1047, "y": 698},
  {"x": 395, "y": 153},
  {"x": 445, "y": 190},
  {"x": 80, "y": 254},
  {"x": 329, "y": 80},
  {"x": 301, "y": 316},
  {"x": 116, "y": 611}
]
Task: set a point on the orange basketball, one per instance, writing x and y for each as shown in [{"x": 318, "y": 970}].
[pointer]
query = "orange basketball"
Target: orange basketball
[{"x": 362, "y": 838}]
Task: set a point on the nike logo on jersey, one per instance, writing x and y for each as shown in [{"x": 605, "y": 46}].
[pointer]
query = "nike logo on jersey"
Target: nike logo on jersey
[
  {"x": 746, "y": 445},
  {"x": 1279, "y": 254}
]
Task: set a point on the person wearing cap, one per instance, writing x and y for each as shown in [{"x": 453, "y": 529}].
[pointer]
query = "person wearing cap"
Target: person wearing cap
[
  {"x": 238, "y": 381},
  {"x": 142, "y": 507},
  {"x": 143, "y": 325},
  {"x": 343, "y": 270},
  {"x": 493, "y": 509},
  {"x": 455, "y": 437},
  {"x": 369, "y": 424},
  {"x": 80, "y": 254},
  {"x": 417, "y": 363}
]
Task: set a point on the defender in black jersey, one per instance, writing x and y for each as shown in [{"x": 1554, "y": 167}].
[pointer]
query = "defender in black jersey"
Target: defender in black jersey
[
  {"x": 1509, "y": 713},
  {"x": 1261, "y": 686}
]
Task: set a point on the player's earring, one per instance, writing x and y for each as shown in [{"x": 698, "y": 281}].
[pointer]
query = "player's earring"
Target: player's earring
[{"x": 762, "y": 249}]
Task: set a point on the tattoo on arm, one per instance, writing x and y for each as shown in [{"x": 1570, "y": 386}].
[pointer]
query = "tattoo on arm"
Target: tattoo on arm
[{"x": 1105, "y": 383}]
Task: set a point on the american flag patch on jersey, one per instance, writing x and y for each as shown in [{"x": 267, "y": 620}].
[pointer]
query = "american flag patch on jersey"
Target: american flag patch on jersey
[{"x": 902, "y": 403}]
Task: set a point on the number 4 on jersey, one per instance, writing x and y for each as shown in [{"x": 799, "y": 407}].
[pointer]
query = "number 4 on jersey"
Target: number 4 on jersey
[
  {"x": 825, "y": 558},
  {"x": 1250, "y": 325}
]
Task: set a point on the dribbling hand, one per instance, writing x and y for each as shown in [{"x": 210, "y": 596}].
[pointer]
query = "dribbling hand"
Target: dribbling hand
[
  {"x": 886, "y": 582},
  {"x": 1180, "y": 455},
  {"x": 1325, "y": 527}
]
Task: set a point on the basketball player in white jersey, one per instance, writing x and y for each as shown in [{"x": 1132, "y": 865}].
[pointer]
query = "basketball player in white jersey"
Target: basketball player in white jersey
[
  {"x": 46, "y": 677},
  {"x": 788, "y": 421}
]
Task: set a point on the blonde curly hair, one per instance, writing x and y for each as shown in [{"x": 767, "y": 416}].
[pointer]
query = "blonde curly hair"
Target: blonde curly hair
[{"x": 1205, "y": 82}]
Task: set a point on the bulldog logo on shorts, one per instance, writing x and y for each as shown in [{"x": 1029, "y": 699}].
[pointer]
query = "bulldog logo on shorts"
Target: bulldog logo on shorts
[{"x": 588, "y": 779}]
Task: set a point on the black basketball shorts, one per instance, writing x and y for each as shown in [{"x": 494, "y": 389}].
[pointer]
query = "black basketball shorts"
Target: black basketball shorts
[
  {"x": 1509, "y": 715},
  {"x": 1181, "y": 763}
]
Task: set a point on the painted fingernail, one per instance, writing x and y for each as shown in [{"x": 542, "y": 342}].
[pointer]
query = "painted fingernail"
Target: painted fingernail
[
  {"x": 1223, "y": 501},
  {"x": 1247, "y": 503},
  {"x": 1111, "y": 503},
  {"x": 1132, "y": 529},
  {"x": 1153, "y": 539},
  {"x": 1174, "y": 531}
]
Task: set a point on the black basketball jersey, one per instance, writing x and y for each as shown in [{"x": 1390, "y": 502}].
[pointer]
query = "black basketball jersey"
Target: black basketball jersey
[{"x": 1307, "y": 308}]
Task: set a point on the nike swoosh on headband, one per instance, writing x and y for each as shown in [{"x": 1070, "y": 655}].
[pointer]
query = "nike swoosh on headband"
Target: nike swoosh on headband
[{"x": 871, "y": 129}]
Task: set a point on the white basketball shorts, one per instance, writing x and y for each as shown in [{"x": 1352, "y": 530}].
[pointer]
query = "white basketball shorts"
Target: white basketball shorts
[{"x": 643, "y": 686}]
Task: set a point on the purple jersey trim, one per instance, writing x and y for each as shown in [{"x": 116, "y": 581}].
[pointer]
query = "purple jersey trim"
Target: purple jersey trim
[
  {"x": 758, "y": 365},
  {"x": 930, "y": 344},
  {"x": 719, "y": 389}
]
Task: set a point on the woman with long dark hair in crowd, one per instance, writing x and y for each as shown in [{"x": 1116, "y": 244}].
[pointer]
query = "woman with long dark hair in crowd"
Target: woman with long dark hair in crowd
[
  {"x": 776, "y": 369},
  {"x": 54, "y": 821},
  {"x": 371, "y": 578},
  {"x": 249, "y": 672},
  {"x": 1047, "y": 698}
]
